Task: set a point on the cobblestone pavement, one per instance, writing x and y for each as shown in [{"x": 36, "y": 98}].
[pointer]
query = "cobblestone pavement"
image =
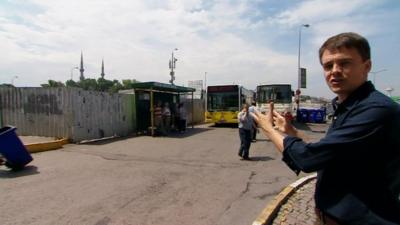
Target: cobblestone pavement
[{"x": 299, "y": 208}]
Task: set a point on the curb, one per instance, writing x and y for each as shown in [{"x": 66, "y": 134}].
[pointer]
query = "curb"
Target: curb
[
  {"x": 46, "y": 146},
  {"x": 270, "y": 211}
]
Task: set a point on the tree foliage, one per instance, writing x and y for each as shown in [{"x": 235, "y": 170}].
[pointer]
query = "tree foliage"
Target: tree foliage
[
  {"x": 127, "y": 84},
  {"x": 6, "y": 85},
  {"x": 53, "y": 83},
  {"x": 101, "y": 84}
]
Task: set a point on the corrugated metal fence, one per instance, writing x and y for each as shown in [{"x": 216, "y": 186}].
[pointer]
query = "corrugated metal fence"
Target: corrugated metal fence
[
  {"x": 198, "y": 106},
  {"x": 67, "y": 112}
]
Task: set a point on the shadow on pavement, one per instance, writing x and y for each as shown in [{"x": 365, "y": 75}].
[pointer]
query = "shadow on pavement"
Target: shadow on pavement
[
  {"x": 107, "y": 140},
  {"x": 26, "y": 171},
  {"x": 262, "y": 140},
  {"x": 301, "y": 126},
  {"x": 312, "y": 127},
  {"x": 261, "y": 158},
  {"x": 189, "y": 132},
  {"x": 226, "y": 125},
  {"x": 173, "y": 134}
]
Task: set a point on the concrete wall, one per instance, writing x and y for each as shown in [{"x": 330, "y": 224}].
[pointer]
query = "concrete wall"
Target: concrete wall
[{"x": 67, "y": 112}]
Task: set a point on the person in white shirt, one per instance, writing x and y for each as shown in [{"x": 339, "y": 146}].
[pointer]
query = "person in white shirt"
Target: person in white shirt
[
  {"x": 252, "y": 109},
  {"x": 245, "y": 126}
]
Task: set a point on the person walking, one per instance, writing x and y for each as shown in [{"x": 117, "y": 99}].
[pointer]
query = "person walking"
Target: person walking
[
  {"x": 158, "y": 123},
  {"x": 245, "y": 126},
  {"x": 254, "y": 129},
  {"x": 176, "y": 117},
  {"x": 166, "y": 115},
  {"x": 358, "y": 161},
  {"x": 182, "y": 118}
]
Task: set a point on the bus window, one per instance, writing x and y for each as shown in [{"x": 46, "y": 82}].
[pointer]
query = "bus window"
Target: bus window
[
  {"x": 278, "y": 94},
  {"x": 227, "y": 101},
  {"x": 224, "y": 102}
]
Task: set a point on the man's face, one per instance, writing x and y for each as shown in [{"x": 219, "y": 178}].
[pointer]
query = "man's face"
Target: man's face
[{"x": 344, "y": 70}]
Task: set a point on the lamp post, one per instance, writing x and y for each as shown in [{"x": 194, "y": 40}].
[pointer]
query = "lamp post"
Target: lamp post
[
  {"x": 298, "y": 91},
  {"x": 376, "y": 72},
  {"x": 172, "y": 66},
  {"x": 12, "y": 80},
  {"x": 72, "y": 69},
  {"x": 205, "y": 91},
  {"x": 205, "y": 80},
  {"x": 389, "y": 91}
]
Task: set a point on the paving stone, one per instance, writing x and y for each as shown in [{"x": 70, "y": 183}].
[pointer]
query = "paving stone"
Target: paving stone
[{"x": 299, "y": 208}]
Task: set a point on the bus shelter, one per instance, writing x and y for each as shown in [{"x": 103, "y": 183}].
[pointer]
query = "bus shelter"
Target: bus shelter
[{"x": 149, "y": 93}]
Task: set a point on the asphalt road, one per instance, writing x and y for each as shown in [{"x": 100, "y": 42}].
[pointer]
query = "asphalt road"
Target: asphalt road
[{"x": 194, "y": 178}]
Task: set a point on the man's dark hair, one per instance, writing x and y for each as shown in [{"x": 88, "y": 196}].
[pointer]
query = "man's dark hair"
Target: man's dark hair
[{"x": 347, "y": 40}]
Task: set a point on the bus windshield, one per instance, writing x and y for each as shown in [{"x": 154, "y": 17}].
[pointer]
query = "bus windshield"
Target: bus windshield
[
  {"x": 223, "y": 101},
  {"x": 276, "y": 93}
]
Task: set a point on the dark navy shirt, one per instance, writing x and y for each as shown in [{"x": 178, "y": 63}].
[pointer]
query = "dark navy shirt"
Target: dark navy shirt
[{"x": 358, "y": 161}]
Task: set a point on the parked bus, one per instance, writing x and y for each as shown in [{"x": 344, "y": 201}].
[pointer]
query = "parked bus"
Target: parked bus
[
  {"x": 280, "y": 94},
  {"x": 225, "y": 101}
]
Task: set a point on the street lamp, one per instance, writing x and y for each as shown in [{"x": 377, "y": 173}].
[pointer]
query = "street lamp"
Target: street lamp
[
  {"x": 72, "y": 69},
  {"x": 205, "y": 92},
  {"x": 298, "y": 92},
  {"x": 172, "y": 66},
  {"x": 12, "y": 80},
  {"x": 389, "y": 91},
  {"x": 205, "y": 80},
  {"x": 376, "y": 72}
]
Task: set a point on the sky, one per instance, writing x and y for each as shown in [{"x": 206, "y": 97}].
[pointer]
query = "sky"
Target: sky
[{"x": 246, "y": 42}]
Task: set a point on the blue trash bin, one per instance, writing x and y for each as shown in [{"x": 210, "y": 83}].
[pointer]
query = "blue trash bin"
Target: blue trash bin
[
  {"x": 311, "y": 115},
  {"x": 302, "y": 115},
  {"x": 319, "y": 116},
  {"x": 12, "y": 148},
  {"x": 316, "y": 116}
]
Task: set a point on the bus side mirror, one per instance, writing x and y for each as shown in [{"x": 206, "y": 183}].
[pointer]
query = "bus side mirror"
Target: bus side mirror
[{"x": 292, "y": 93}]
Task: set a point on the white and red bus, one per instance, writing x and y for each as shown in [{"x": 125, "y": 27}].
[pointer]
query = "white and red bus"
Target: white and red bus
[{"x": 280, "y": 94}]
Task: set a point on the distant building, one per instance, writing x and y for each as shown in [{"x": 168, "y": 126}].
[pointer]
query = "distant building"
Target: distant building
[{"x": 198, "y": 85}]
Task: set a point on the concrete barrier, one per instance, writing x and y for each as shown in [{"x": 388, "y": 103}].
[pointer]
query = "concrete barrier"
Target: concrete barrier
[{"x": 46, "y": 146}]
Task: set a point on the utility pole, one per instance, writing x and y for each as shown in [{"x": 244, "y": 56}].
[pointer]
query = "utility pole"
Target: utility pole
[
  {"x": 298, "y": 91},
  {"x": 376, "y": 72},
  {"x": 205, "y": 91},
  {"x": 12, "y": 80},
  {"x": 72, "y": 73},
  {"x": 172, "y": 66}
]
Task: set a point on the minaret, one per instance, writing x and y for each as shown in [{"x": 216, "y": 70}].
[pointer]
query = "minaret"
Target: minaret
[
  {"x": 102, "y": 69},
  {"x": 82, "y": 77}
]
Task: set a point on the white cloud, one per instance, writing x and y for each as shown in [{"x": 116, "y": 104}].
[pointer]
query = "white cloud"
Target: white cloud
[
  {"x": 323, "y": 10},
  {"x": 136, "y": 39}
]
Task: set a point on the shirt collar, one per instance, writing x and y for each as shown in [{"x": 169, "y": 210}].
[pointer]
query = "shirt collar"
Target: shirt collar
[{"x": 359, "y": 93}]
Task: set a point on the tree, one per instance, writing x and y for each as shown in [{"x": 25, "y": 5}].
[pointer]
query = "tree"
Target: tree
[
  {"x": 127, "y": 84},
  {"x": 53, "y": 83},
  {"x": 6, "y": 85},
  {"x": 100, "y": 84},
  {"x": 71, "y": 83},
  {"x": 116, "y": 87},
  {"x": 88, "y": 84},
  {"x": 104, "y": 85}
]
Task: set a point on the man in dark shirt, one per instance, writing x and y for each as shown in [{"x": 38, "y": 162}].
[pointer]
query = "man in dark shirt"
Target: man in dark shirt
[{"x": 358, "y": 161}]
